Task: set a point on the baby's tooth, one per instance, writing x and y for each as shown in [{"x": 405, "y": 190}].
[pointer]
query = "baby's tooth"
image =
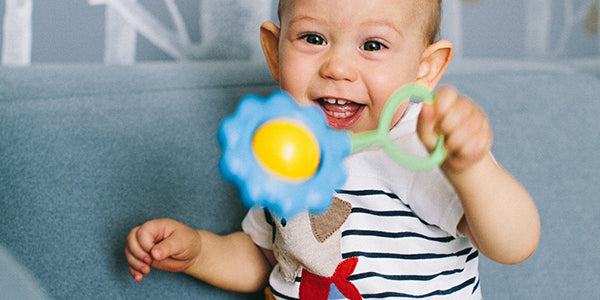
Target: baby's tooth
[
  {"x": 330, "y": 100},
  {"x": 342, "y": 102}
]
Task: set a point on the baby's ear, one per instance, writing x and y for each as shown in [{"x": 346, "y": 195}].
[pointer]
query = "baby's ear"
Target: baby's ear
[
  {"x": 434, "y": 62},
  {"x": 269, "y": 39}
]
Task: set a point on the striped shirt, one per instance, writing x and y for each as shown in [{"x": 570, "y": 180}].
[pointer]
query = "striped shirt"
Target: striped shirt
[{"x": 402, "y": 229}]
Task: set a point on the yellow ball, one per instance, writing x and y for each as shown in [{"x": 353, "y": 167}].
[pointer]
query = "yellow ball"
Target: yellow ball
[{"x": 287, "y": 149}]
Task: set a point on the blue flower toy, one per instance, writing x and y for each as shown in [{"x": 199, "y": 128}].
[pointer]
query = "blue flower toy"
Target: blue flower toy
[{"x": 284, "y": 157}]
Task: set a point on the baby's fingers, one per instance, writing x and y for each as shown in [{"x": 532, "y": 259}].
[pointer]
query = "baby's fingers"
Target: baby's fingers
[
  {"x": 138, "y": 259},
  {"x": 452, "y": 111},
  {"x": 137, "y": 268},
  {"x": 426, "y": 127},
  {"x": 466, "y": 128},
  {"x": 134, "y": 247},
  {"x": 175, "y": 246},
  {"x": 137, "y": 276},
  {"x": 430, "y": 124}
]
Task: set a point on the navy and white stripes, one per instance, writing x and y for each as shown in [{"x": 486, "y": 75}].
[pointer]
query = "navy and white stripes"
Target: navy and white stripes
[
  {"x": 398, "y": 252},
  {"x": 400, "y": 255}
]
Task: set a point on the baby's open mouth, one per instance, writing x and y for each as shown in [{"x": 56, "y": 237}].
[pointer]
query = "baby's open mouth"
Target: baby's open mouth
[{"x": 340, "y": 113}]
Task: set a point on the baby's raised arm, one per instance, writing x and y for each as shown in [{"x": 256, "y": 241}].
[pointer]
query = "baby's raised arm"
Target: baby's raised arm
[
  {"x": 500, "y": 217},
  {"x": 232, "y": 262}
]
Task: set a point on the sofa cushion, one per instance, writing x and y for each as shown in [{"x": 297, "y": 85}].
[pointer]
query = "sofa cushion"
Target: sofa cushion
[{"x": 88, "y": 152}]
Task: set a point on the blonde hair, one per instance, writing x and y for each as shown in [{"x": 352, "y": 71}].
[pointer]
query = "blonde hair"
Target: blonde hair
[{"x": 430, "y": 25}]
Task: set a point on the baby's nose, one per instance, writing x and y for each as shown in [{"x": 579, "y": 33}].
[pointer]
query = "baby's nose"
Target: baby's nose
[{"x": 339, "y": 66}]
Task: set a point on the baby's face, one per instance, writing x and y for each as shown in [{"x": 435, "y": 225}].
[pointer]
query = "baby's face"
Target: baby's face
[{"x": 349, "y": 56}]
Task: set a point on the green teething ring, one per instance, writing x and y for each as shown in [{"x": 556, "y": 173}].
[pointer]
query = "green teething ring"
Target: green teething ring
[{"x": 380, "y": 137}]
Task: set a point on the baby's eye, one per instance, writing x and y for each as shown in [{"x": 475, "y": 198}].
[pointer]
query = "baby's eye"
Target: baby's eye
[
  {"x": 314, "y": 39},
  {"x": 373, "y": 46}
]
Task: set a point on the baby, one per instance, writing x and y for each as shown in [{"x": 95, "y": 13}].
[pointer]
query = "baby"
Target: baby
[{"x": 390, "y": 232}]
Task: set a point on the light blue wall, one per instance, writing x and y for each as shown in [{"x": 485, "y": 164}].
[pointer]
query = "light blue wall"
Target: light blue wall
[
  {"x": 488, "y": 33},
  {"x": 73, "y": 30},
  {"x": 498, "y": 29}
]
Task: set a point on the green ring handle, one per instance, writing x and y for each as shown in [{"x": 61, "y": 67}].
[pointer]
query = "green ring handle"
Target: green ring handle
[{"x": 380, "y": 137}]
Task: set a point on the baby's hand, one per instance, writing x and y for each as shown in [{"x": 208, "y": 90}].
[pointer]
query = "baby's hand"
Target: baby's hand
[
  {"x": 465, "y": 126},
  {"x": 163, "y": 244}
]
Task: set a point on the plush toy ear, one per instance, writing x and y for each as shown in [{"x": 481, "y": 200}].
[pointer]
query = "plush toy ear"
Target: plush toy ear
[{"x": 323, "y": 226}]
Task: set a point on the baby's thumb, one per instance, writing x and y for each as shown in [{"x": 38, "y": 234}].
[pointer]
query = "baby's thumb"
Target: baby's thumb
[
  {"x": 165, "y": 249},
  {"x": 426, "y": 127}
]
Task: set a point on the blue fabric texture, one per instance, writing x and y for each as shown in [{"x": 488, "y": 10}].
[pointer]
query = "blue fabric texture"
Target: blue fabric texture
[
  {"x": 88, "y": 152},
  {"x": 16, "y": 282}
]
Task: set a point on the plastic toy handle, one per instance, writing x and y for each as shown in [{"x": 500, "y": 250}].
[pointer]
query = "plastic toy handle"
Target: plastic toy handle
[{"x": 381, "y": 135}]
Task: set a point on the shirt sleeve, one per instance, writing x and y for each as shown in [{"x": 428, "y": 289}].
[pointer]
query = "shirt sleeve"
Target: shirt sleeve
[
  {"x": 255, "y": 224},
  {"x": 430, "y": 194},
  {"x": 435, "y": 201}
]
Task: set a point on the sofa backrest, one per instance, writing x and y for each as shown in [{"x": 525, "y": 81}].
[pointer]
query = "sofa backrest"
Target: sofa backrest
[{"x": 89, "y": 152}]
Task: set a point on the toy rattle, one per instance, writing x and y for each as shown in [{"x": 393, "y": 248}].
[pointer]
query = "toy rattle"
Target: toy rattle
[{"x": 284, "y": 157}]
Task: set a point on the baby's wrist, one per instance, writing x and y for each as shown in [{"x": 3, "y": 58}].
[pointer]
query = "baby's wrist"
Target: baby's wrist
[
  {"x": 196, "y": 249},
  {"x": 467, "y": 172}
]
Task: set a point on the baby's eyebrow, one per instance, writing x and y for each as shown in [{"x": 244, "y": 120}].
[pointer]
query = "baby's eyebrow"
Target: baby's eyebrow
[
  {"x": 304, "y": 18},
  {"x": 383, "y": 23}
]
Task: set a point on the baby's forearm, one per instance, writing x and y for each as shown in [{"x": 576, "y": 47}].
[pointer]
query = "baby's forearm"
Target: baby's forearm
[
  {"x": 500, "y": 216},
  {"x": 232, "y": 262}
]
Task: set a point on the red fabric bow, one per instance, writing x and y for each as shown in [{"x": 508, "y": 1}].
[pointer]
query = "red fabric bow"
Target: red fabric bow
[{"x": 315, "y": 287}]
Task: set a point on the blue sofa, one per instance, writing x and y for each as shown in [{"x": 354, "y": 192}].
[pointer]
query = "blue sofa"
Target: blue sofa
[{"x": 88, "y": 152}]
